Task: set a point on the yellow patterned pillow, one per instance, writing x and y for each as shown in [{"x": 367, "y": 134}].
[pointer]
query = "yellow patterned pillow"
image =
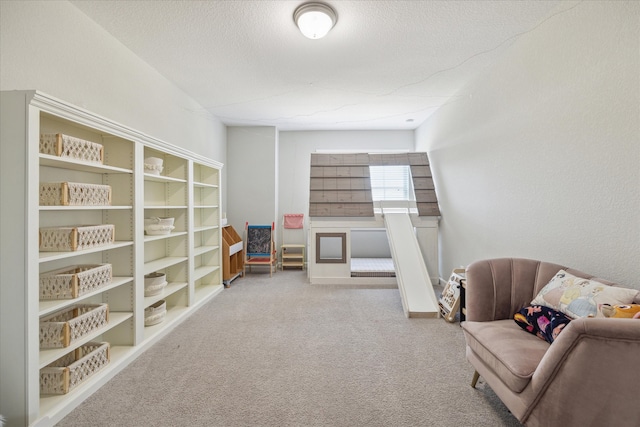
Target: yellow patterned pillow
[{"x": 578, "y": 297}]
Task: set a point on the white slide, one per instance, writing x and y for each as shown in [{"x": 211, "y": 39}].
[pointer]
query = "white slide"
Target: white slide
[{"x": 416, "y": 290}]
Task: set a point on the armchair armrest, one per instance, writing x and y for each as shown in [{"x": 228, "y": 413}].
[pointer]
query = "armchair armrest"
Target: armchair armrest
[{"x": 596, "y": 361}]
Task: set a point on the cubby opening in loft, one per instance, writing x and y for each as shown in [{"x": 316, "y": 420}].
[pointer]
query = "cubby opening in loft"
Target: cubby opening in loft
[
  {"x": 391, "y": 183},
  {"x": 371, "y": 253}
]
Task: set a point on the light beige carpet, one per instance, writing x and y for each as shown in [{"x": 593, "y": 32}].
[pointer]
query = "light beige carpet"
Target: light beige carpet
[{"x": 280, "y": 352}]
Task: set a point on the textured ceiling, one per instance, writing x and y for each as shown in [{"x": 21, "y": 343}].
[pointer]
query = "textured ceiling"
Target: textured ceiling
[{"x": 385, "y": 65}]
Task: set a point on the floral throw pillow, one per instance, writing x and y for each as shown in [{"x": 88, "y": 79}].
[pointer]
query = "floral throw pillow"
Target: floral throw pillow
[
  {"x": 544, "y": 322},
  {"x": 578, "y": 297}
]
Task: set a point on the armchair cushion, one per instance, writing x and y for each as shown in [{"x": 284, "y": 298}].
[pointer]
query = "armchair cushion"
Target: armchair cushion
[
  {"x": 580, "y": 297},
  {"x": 544, "y": 322},
  {"x": 512, "y": 354}
]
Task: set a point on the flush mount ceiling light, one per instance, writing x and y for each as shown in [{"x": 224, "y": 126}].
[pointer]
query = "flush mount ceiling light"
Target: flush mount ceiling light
[{"x": 315, "y": 19}]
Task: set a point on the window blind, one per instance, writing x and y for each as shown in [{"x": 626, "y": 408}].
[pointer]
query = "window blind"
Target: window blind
[{"x": 391, "y": 183}]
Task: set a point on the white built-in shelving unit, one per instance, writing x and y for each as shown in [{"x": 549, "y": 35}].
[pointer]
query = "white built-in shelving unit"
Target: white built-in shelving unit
[
  {"x": 188, "y": 189},
  {"x": 207, "y": 235}
]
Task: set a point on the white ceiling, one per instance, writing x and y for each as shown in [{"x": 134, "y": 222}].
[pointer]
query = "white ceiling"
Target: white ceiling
[{"x": 385, "y": 65}]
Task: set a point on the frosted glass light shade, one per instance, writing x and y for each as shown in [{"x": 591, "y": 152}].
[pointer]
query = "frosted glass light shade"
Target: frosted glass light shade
[{"x": 315, "y": 19}]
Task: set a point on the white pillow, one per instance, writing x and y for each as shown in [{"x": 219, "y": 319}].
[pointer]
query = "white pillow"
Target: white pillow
[{"x": 578, "y": 297}]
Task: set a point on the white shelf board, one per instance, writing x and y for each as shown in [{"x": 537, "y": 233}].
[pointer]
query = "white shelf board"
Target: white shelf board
[
  {"x": 54, "y": 256},
  {"x": 162, "y": 178},
  {"x": 84, "y": 208},
  {"x": 204, "y": 185},
  {"x": 200, "y": 228},
  {"x": 164, "y": 236},
  {"x": 50, "y": 306},
  {"x": 67, "y": 163},
  {"x": 159, "y": 264},
  {"x": 165, "y": 206},
  {"x": 202, "y": 271},
  {"x": 205, "y": 206},
  {"x": 203, "y": 293},
  {"x": 204, "y": 249}
]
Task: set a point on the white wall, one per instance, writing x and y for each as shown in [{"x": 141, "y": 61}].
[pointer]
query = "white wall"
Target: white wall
[
  {"x": 295, "y": 150},
  {"x": 370, "y": 243},
  {"x": 252, "y": 176},
  {"x": 542, "y": 159},
  {"x": 52, "y": 47}
]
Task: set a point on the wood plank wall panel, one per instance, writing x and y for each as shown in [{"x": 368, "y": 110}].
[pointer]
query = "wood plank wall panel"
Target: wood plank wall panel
[
  {"x": 341, "y": 187},
  {"x": 428, "y": 209},
  {"x": 423, "y": 186}
]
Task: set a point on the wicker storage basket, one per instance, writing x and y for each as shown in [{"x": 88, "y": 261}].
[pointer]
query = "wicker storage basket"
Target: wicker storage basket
[
  {"x": 57, "y": 144},
  {"x": 155, "y": 313},
  {"x": 158, "y": 226},
  {"x": 154, "y": 283},
  {"x": 74, "y": 238},
  {"x": 72, "y": 369},
  {"x": 63, "y": 327},
  {"x": 74, "y": 194},
  {"x": 74, "y": 281}
]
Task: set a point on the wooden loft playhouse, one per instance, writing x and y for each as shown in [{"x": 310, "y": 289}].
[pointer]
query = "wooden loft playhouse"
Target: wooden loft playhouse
[{"x": 341, "y": 201}]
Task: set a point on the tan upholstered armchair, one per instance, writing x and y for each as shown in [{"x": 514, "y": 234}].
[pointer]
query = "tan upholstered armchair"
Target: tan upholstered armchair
[{"x": 590, "y": 375}]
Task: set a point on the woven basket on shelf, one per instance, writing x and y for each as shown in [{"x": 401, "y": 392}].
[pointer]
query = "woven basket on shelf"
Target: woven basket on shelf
[
  {"x": 154, "y": 283},
  {"x": 74, "y": 238},
  {"x": 74, "y": 281},
  {"x": 74, "y": 194},
  {"x": 57, "y": 144},
  {"x": 155, "y": 313},
  {"x": 156, "y": 226},
  {"x": 72, "y": 369},
  {"x": 64, "y": 327}
]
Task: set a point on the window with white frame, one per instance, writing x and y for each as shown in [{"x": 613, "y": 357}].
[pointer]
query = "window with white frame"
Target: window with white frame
[{"x": 392, "y": 182}]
